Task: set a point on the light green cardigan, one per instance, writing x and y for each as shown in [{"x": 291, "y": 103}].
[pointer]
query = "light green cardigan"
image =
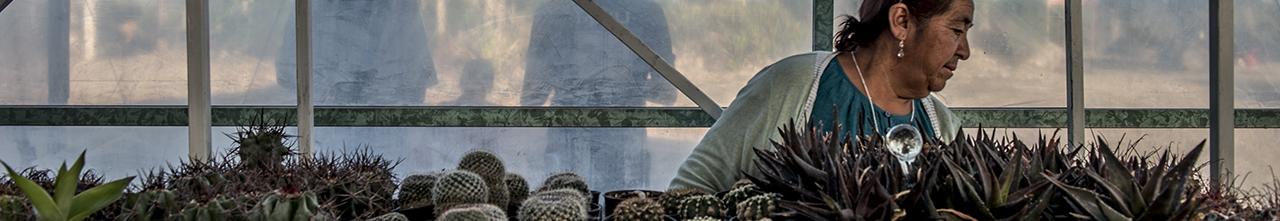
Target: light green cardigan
[{"x": 781, "y": 92}]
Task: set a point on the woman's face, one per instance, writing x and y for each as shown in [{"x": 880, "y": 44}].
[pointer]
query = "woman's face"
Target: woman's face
[{"x": 933, "y": 51}]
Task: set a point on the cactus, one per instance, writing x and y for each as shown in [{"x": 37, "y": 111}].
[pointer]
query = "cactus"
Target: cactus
[
  {"x": 491, "y": 168},
  {"x": 638, "y": 208},
  {"x": 566, "y": 180},
  {"x": 261, "y": 144},
  {"x": 742, "y": 182},
  {"x": 733, "y": 197},
  {"x": 393, "y": 216},
  {"x": 457, "y": 188},
  {"x": 156, "y": 204},
  {"x": 289, "y": 205},
  {"x": 215, "y": 209},
  {"x": 415, "y": 191},
  {"x": 671, "y": 200},
  {"x": 553, "y": 205},
  {"x": 701, "y": 205},
  {"x": 517, "y": 190},
  {"x": 15, "y": 208},
  {"x": 474, "y": 212},
  {"x": 758, "y": 207}
]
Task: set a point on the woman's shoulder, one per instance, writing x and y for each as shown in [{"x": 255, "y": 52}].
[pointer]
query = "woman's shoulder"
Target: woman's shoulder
[{"x": 794, "y": 66}]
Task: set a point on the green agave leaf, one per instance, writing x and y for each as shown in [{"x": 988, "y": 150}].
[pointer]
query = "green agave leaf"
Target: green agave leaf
[
  {"x": 1116, "y": 194},
  {"x": 1088, "y": 200},
  {"x": 45, "y": 207},
  {"x": 1117, "y": 176},
  {"x": 65, "y": 184},
  {"x": 94, "y": 199}
]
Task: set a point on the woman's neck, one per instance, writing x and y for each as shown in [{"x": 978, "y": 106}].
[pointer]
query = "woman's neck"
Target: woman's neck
[{"x": 877, "y": 70}]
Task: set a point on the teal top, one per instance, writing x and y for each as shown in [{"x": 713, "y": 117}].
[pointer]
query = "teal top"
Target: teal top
[{"x": 838, "y": 99}]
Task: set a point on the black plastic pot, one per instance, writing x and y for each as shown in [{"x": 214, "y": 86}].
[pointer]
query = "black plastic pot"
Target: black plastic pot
[{"x": 613, "y": 198}]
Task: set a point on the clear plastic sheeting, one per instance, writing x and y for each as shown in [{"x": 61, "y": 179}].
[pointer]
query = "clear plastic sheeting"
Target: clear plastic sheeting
[
  {"x": 244, "y": 41},
  {"x": 1147, "y": 53},
  {"x": 1016, "y": 59},
  {"x": 1255, "y": 156},
  {"x": 610, "y": 158},
  {"x": 115, "y": 52},
  {"x": 111, "y": 151},
  {"x": 1257, "y": 54}
]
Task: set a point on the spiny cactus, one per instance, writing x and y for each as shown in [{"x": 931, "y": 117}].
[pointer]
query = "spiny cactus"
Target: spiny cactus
[
  {"x": 216, "y": 209},
  {"x": 638, "y": 209},
  {"x": 393, "y": 216},
  {"x": 474, "y": 212},
  {"x": 517, "y": 189},
  {"x": 15, "y": 208},
  {"x": 155, "y": 204},
  {"x": 758, "y": 207},
  {"x": 566, "y": 180},
  {"x": 491, "y": 168},
  {"x": 553, "y": 205},
  {"x": 701, "y": 205},
  {"x": 671, "y": 200},
  {"x": 733, "y": 197},
  {"x": 703, "y": 218},
  {"x": 289, "y": 205},
  {"x": 415, "y": 190},
  {"x": 457, "y": 188},
  {"x": 261, "y": 144},
  {"x": 742, "y": 182}
]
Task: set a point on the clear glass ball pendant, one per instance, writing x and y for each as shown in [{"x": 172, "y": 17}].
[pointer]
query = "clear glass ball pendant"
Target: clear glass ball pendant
[{"x": 904, "y": 142}]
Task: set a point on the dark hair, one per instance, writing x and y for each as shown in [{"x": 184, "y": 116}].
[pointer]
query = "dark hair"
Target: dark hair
[{"x": 875, "y": 20}]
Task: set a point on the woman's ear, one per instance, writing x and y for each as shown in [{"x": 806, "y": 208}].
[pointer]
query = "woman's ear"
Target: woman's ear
[{"x": 900, "y": 22}]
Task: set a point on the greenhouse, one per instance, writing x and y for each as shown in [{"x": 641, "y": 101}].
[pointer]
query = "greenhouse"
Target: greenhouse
[{"x": 639, "y": 109}]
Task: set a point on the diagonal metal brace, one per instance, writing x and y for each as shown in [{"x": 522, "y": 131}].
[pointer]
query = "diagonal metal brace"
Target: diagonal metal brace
[{"x": 645, "y": 53}]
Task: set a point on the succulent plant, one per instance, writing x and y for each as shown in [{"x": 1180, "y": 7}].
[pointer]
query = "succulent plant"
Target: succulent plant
[
  {"x": 517, "y": 189},
  {"x": 553, "y": 206},
  {"x": 15, "y": 208},
  {"x": 393, "y": 216},
  {"x": 566, "y": 180},
  {"x": 742, "y": 182},
  {"x": 288, "y": 204},
  {"x": 671, "y": 199},
  {"x": 457, "y": 188},
  {"x": 700, "y": 206},
  {"x": 358, "y": 184},
  {"x": 703, "y": 218},
  {"x": 492, "y": 169},
  {"x": 474, "y": 212},
  {"x": 415, "y": 190},
  {"x": 261, "y": 144},
  {"x": 154, "y": 204},
  {"x": 216, "y": 209},
  {"x": 737, "y": 195},
  {"x": 758, "y": 207},
  {"x": 638, "y": 209}
]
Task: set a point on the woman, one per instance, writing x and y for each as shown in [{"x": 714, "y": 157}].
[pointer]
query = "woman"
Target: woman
[{"x": 885, "y": 68}]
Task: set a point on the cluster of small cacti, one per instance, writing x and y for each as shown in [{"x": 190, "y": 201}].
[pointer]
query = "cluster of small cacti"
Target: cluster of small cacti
[
  {"x": 474, "y": 212},
  {"x": 739, "y": 194},
  {"x": 155, "y": 204},
  {"x": 457, "y": 188},
  {"x": 701, "y": 206},
  {"x": 565, "y": 180},
  {"x": 518, "y": 189},
  {"x": 289, "y": 205},
  {"x": 561, "y": 204},
  {"x": 215, "y": 209},
  {"x": 671, "y": 199},
  {"x": 638, "y": 209},
  {"x": 415, "y": 190},
  {"x": 492, "y": 169},
  {"x": 758, "y": 207}
]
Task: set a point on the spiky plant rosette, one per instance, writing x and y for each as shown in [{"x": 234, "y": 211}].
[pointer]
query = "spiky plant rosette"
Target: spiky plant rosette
[
  {"x": 822, "y": 176},
  {"x": 262, "y": 143}
]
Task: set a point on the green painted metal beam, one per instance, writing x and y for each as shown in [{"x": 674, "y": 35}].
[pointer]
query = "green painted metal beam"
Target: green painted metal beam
[
  {"x": 331, "y": 116},
  {"x": 823, "y": 17}
]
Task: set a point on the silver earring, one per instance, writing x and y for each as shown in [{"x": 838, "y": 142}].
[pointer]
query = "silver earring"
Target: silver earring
[{"x": 900, "y": 45}]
